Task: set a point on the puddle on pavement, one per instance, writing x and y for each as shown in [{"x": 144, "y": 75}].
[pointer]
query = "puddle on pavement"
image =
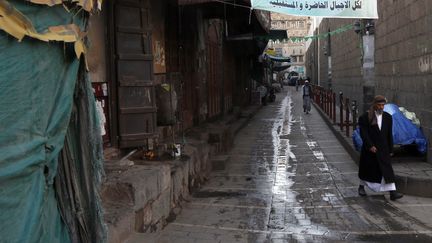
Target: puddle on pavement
[
  {"x": 208, "y": 194},
  {"x": 284, "y": 172}
]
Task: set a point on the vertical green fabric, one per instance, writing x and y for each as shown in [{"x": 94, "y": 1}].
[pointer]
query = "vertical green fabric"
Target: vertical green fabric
[
  {"x": 37, "y": 81},
  {"x": 80, "y": 169}
]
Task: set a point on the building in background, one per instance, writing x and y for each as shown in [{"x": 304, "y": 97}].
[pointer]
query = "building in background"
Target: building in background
[{"x": 296, "y": 26}]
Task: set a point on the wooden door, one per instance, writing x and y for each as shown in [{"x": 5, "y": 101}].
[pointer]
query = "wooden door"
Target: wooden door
[{"x": 134, "y": 68}]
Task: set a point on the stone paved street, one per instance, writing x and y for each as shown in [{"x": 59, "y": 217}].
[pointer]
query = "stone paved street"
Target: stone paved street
[{"x": 288, "y": 179}]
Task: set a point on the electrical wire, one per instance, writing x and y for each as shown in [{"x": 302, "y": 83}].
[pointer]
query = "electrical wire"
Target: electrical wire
[{"x": 233, "y": 4}]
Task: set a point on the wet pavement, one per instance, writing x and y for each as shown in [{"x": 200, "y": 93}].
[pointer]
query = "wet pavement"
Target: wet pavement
[{"x": 288, "y": 179}]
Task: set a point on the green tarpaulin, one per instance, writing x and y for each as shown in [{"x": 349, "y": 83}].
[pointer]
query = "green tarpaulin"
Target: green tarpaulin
[{"x": 37, "y": 84}]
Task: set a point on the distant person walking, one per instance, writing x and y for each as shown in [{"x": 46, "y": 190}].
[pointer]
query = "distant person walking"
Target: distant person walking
[
  {"x": 307, "y": 95},
  {"x": 375, "y": 169}
]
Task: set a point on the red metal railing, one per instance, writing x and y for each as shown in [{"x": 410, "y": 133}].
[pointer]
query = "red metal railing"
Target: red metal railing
[{"x": 326, "y": 100}]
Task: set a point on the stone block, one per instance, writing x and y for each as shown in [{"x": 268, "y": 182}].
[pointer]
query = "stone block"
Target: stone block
[
  {"x": 180, "y": 181},
  {"x": 137, "y": 185},
  {"x": 160, "y": 208},
  {"x": 143, "y": 218}
]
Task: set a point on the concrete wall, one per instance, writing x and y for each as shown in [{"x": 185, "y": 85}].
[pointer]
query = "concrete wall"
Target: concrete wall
[
  {"x": 346, "y": 66},
  {"x": 403, "y": 58}
]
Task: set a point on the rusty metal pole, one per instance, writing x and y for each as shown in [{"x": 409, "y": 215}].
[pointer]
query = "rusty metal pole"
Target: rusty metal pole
[
  {"x": 341, "y": 110},
  {"x": 322, "y": 98},
  {"x": 328, "y": 103},
  {"x": 347, "y": 116},
  {"x": 324, "y": 102},
  {"x": 354, "y": 114},
  {"x": 334, "y": 107}
]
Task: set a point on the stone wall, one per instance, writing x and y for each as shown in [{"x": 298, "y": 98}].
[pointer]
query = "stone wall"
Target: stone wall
[
  {"x": 346, "y": 66},
  {"x": 403, "y": 58}
]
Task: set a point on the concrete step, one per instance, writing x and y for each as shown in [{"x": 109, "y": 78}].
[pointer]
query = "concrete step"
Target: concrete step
[{"x": 138, "y": 197}]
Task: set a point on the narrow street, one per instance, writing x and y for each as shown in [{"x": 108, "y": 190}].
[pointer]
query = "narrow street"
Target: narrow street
[
  {"x": 288, "y": 179},
  {"x": 140, "y": 121}
]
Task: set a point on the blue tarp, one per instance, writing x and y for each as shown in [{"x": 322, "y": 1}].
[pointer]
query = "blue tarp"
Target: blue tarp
[{"x": 404, "y": 131}]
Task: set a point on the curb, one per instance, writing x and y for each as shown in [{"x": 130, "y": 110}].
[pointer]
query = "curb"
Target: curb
[{"x": 408, "y": 185}]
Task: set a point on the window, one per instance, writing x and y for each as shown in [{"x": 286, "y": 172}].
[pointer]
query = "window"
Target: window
[{"x": 300, "y": 58}]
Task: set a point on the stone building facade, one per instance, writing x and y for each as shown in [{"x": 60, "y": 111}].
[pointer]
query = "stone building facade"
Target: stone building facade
[
  {"x": 296, "y": 26},
  {"x": 394, "y": 60}
]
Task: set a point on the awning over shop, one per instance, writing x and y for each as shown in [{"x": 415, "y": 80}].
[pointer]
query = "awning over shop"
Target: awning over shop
[
  {"x": 281, "y": 67},
  {"x": 278, "y": 59}
]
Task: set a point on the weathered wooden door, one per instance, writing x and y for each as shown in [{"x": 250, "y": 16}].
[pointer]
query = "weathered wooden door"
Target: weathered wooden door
[
  {"x": 134, "y": 64},
  {"x": 214, "y": 71}
]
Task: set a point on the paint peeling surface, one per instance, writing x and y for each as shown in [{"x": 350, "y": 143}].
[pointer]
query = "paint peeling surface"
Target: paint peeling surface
[
  {"x": 25, "y": 23},
  {"x": 289, "y": 180},
  {"x": 87, "y": 5}
]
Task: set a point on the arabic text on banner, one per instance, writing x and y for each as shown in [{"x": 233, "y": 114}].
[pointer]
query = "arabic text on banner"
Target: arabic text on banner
[{"x": 332, "y": 9}]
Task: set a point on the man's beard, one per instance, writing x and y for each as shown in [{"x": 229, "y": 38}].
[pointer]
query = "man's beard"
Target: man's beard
[{"x": 379, "y": 111}]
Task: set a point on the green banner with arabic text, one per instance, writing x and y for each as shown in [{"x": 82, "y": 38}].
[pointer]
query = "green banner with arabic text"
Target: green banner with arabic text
[{"x": 332, "y": 9}]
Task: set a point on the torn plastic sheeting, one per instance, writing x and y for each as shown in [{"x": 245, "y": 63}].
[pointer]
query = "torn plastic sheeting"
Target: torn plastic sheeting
[
  {"x": 47, "y": 2},
  {"x": 36, "y": 99},
  {"x": 87, "y": 5},
  {"x": 80, "y": 168},
  {"x": 18, "y": 25},
  {"x": 36, "y": 90}
]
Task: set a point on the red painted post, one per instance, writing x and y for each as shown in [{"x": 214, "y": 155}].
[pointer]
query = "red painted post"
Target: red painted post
[
  {"x": 334, "y": 107},
  {"x": 354, "y": 114},
  {"x": 325, "y": 102},
  {"x": 328, "y": 103},
  {"x": 341, "y": 110},
  {"x": 327, "y": 111},
  {"x": 347, "y": 117},
  {"x": 322, "y": 99}
]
